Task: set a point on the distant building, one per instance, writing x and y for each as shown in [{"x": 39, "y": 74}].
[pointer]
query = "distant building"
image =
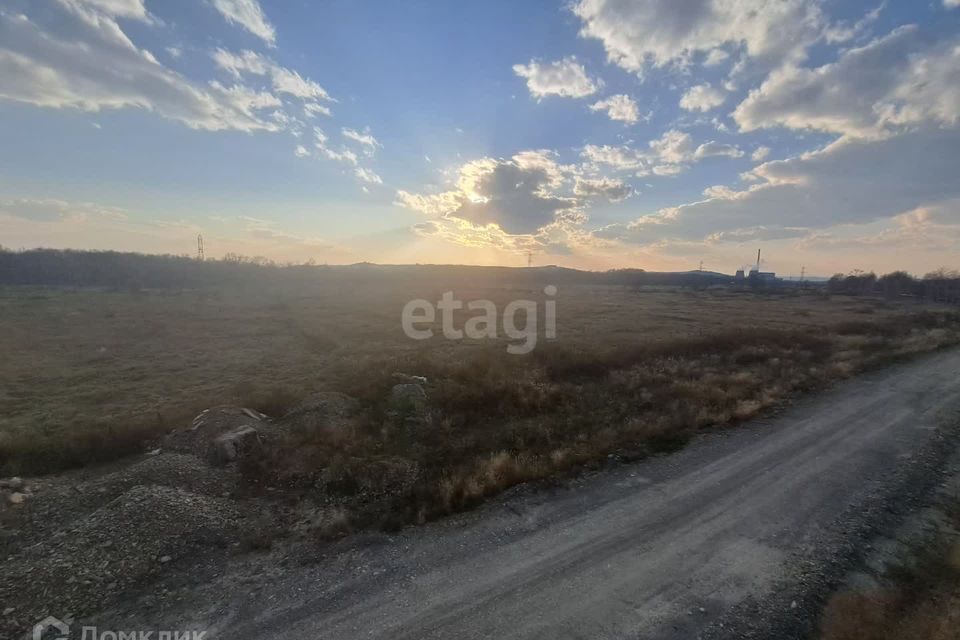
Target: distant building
[
  {"x": 739, "y": 277},
  {"x": 762, "y": 277}
]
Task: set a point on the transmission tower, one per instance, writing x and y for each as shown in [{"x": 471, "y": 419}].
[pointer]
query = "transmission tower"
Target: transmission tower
[
  {"x": 200, "y": 255},
  {"x": 529, "y": 259}
]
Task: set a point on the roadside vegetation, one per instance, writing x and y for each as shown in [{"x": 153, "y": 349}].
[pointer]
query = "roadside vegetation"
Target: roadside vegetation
[
  {"x": 496, "y": 421},
  {"x": 918, "y": 600}
]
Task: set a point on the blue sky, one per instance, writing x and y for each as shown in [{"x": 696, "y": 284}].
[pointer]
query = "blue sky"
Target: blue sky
[{"x": 593, "y": 133}]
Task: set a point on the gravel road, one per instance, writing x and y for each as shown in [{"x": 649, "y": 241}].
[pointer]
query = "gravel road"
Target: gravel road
[{"x": 670, "y": 547}]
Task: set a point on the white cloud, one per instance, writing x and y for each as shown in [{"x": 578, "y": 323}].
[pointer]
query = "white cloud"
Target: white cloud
[
  {"x": 130, "y": 9},
  {"x": 619, "y": 107},
  {"x": 673, "y": 147},
  {"x": 368, "y": 176},
  {"x": 311, "y": 109},
  {"x": 84, "y": 60},
  {"x": 637, "y": 33},
  {"x": 301, "y": 151},
  {"x": 702, "y": 97},
  {"x": 282, "y": 79},
  {"x": 364, "y": 139},
  {"x": 820, "y": 190},
  {"x": 715, "y": 57},
  {"x": 517, "y": 195},
  {"x": 267, "y": 230},
  {"x": 760, "y": 154},
  {"x": 347, "y": 156},
  {"x": 344, "y": 155},
  {"x": 602, "y": 188},
  {"x": 564, "y": 77},
  {"x": 79, "y": 57},
  {"x": 436, "y": 204},
  {"x": 668, "y": 155},
  {"x": 844, "y": 32},
  {"x": 950, "y": 4},
  {"x": 245, "y": 99},
  {"x": 897, "y": 81},
  {"x": 621, "y": 158},
  {"x": 52, "y": 210},
  {"x": 717, "y": 149},
  {"x": 249, "y": 15}
]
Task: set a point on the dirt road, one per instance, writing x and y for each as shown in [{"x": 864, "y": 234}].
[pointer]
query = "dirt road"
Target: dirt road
[{"x": 668, "y": 548}]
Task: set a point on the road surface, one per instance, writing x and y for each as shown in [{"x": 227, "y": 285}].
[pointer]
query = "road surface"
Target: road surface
[{"x": 664, "y": 548}]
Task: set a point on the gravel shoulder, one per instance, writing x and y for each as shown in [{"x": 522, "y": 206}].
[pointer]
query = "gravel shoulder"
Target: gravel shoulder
[{"x": 740, "y": 534}]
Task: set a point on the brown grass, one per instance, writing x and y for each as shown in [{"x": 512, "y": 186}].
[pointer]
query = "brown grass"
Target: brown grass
[
  {"x": 920, "y": 602},
  {"x": 90, "y": 375},
  {"x": 501, "y": 421}
]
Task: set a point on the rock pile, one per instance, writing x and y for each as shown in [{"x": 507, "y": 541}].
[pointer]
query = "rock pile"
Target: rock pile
[{"x": 117, "y": 546}]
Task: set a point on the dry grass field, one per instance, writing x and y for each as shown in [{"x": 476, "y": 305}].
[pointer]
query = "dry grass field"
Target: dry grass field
[
  {"x": 93, "y": 379},
  {"x": 91, "y": 375}
]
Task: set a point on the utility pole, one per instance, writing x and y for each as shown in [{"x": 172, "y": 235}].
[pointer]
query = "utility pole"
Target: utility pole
[
  {"x": 200, "y": 255},
  {"x": 803, "y": 272}
]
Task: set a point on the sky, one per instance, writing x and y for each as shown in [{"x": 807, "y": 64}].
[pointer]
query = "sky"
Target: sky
[{"x": 596, "y": 134}]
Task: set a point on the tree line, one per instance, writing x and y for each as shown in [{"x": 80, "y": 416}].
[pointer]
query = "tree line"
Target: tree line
[
  {"x": 132, "y": 271},
  {"x": 942, "y": 285}
]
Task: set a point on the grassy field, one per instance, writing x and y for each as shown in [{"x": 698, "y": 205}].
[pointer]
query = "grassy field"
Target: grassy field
[{"x": 90, "y": 375}]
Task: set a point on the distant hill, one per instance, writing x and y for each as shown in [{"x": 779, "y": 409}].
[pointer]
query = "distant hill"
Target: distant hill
[{"x": 135, "y": 270}]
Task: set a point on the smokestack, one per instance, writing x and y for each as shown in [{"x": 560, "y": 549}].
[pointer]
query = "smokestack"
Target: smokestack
[{"x": 758, "y": 260}]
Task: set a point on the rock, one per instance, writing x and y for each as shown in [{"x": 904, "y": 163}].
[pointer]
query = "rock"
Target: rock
[
  {"x": 13, "y": 483},
  {"x": 403, "y": 378},
  {"x": 318, "y": 413},
  {"x": 8, "y": 611},
  {"x": 17, "y": 498},
  {"x": 407, "y": 407},
  {"x": 406, "y": 396},
  {"x": 209, "y": 425},
  {"x": 165, "y": 559},
  {"x": 155, "y": 452},
  {"x": 233, "y": 445}
]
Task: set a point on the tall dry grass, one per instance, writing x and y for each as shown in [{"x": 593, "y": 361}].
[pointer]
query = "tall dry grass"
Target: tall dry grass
[{"x": 500, "y": 421}]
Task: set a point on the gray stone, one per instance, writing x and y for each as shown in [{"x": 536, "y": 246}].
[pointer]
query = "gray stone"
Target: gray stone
[
  {"x": 403, "y": 378},
  {"x": 209, "y": 425},
  {"x": 319, "y": 413},
  {"x": 13, "y": 483},
  {"x": 233, "y": 445},
  {"x": 407, "y": 407}
]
